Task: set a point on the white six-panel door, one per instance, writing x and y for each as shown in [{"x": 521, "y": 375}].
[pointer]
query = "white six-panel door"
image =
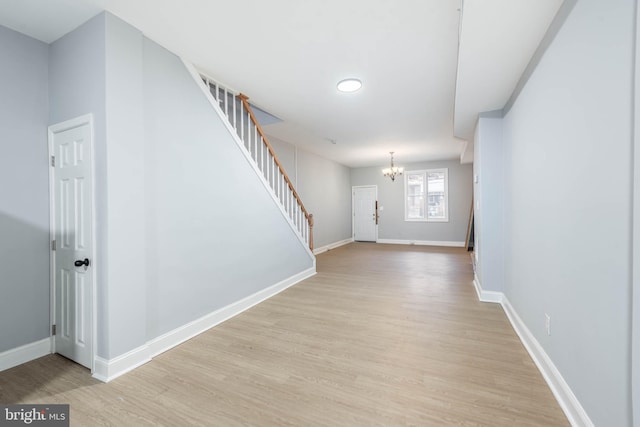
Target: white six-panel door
[
  {"x": 73, "y": 233},
  {"x": 365, "y": 227}
]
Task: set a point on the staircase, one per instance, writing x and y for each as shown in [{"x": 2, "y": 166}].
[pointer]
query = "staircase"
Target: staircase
[{"x": 239, "y": 115}]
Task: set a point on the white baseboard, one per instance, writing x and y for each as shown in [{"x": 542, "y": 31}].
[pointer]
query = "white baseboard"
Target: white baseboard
[
  {"x": 570, "y": 405},
  {"x": 422, "y": 243},
  {"x": 26, "y": 353},
  {"x": 333, "y": 245},
  {"x": 107, "y": 370},
  {"x": 183, "y": 333},
  {"x": 564, "y": 395},
  {"x": 487, "y": 296}
]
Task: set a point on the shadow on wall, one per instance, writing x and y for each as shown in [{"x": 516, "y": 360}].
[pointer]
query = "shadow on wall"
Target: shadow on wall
[
  {"x": 25, "y": 288},
  {"x": 25, "y": 315}
]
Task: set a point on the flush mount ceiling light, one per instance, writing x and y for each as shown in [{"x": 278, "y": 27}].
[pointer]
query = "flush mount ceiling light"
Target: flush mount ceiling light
[{"x": 349, "y": 85}]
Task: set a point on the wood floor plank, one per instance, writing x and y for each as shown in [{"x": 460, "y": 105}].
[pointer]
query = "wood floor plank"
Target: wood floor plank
[{"x": 383, "y": 335}]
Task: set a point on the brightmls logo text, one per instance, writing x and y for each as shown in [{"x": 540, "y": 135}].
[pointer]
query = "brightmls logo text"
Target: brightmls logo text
[
  {"x": 27, "y": 417},
  {"x": 35, "y": 415}
]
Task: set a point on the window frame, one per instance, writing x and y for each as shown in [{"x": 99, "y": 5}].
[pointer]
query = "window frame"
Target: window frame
[{"x": 425, "y": 173}]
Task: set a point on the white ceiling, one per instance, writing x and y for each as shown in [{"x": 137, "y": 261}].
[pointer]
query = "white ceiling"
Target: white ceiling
[
  {"x": 497, "y": 40},
  {"x": 288, "y": 55}
]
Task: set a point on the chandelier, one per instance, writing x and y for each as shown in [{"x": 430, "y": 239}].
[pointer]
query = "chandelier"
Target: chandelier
[{"x": 393, "y": 171}]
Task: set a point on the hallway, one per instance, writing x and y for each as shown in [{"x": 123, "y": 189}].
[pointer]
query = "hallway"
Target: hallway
[{"x": 382, "y": 335}]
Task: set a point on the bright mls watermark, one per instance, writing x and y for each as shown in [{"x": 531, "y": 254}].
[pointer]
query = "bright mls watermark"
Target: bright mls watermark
[{"x": 34, "y": 415}]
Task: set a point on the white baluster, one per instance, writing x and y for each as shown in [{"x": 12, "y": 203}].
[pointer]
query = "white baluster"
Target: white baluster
[
  {"x": 235, "y": 121},
  {"x": 242, "y": 125},
  {"x": 253, "y": 155},
  {"x": 270, "y": 170},
  {"x": 248, "y": 134},
  {"x": 259, "y": 142},
  {"x": 265, "y": 167},
  {"x": 226, "y": 104},
  {"x": 274, "y": 166}
]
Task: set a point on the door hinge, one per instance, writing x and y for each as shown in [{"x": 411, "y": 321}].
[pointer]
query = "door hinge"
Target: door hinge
[
  {"x": 53, "y": 329},
  {"x": 53, "y": 161},
  {"x": 53, "y": 245}
]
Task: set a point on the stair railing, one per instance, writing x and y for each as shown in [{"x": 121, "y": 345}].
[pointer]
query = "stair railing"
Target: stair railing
[{"x": 241, "y": 116}]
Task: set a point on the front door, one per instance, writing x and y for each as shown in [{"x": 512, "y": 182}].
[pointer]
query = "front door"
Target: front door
[
  {"x": 72, "y": 221},
  {"x": 365, "y": 228}
]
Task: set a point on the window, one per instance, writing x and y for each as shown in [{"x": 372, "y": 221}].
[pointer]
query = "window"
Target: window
[{"x": 427, "y": 197}]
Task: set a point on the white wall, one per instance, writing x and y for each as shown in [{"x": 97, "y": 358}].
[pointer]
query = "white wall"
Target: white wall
[
  {"x": 325, "y": 189},
  {"x": 392, "y": 225},
  {"x": 488, "y": 168},
  {"x": 24, "y": 192},
  {"x": 568, "y": 204}
]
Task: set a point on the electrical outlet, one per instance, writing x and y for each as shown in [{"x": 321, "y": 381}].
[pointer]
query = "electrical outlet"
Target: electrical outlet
[{"x": 547, "y": 323}]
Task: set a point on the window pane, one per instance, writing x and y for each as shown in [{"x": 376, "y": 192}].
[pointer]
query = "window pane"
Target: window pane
[
  {"x": 415, "y": 196},
  {"x": 436, "y": 197},
  {"x": 415, "y": 207}
]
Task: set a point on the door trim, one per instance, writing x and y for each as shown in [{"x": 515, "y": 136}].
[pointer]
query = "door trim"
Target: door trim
[
  {"x": 353, "y": 210},
  {"x": 52, "y": 130}
]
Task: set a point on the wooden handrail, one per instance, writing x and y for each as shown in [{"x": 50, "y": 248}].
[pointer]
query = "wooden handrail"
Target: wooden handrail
[{"x": 309, "y": 217}]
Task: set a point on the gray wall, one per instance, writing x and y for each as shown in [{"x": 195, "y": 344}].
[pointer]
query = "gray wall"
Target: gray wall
[
  {"x": 635, "y": 327},
  {"x": 125, "y": 302},
  {"x": 77, "y": 73},
  {"x": 97, "y": 69},
  {"x": 177, "y": 237},
  {"x": 287, "y": 154},
  {"x": 324, "y": 185},
  {"x": 215, "y": 235},
  {"x": 24, "y": 193},
  {"x": 325, "y": 189},
  {"x": 488, "y": 167},
  {"x": 391, "y": 196},
  {"x": 568, "y": 175}
]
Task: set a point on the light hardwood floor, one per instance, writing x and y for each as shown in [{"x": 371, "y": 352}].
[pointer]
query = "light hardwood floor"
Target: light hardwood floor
[{"x": 383, "y": 335}]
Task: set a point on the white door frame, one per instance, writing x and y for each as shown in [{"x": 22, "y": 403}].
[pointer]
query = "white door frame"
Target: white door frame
[
  {"x": 52, "y": 131},
  {"x": 353, "y": 209}
]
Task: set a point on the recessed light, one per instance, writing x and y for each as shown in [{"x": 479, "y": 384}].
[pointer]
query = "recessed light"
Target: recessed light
[{"x": 349, "y": 85}]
